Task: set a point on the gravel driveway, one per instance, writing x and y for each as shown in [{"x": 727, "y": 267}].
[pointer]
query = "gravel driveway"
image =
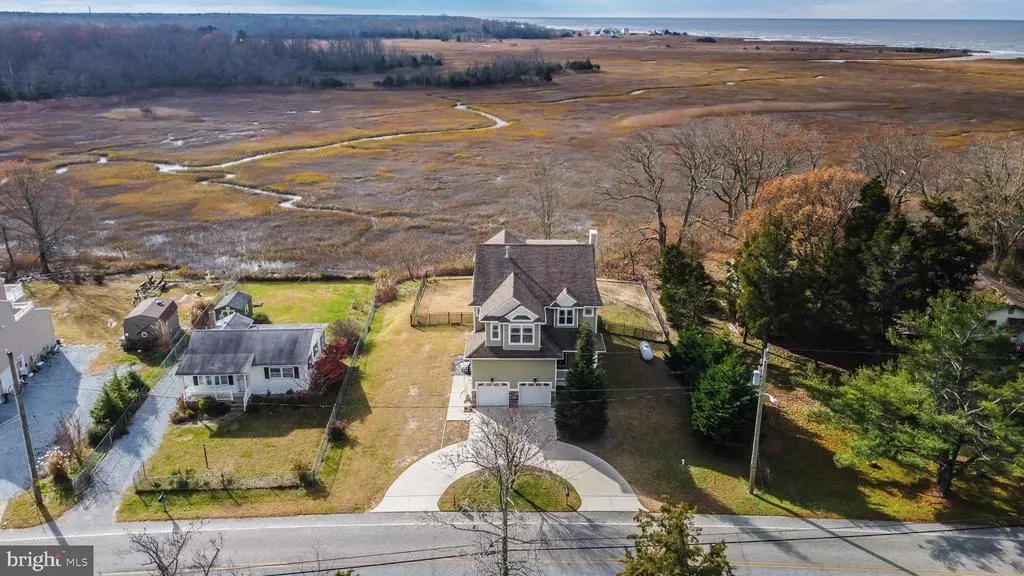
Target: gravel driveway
[{"x": 62, "y": 386}]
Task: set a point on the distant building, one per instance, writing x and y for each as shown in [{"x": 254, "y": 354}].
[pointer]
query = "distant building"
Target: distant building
[
  {"x": 152, "y": 322},
  {"x": 234, "y": 302},
  {"x": 25, "y": 330},
  {"x": 1012, "y": 316}
]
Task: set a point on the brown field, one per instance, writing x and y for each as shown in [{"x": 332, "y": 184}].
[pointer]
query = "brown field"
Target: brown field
[{"x": 456, "y": 185}]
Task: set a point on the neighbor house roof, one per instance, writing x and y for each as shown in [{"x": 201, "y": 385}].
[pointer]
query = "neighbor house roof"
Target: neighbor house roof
[
  {"x": 533, "y": 273},
  {"x": 154, "y": 308},
  {"x": 1012, "y": 295},
  {"x": 280, "y": 347},
  {"x": 234, "y": 321},
  {"x": 199, "y": 364},
  {"x": 234, "y": 299}
]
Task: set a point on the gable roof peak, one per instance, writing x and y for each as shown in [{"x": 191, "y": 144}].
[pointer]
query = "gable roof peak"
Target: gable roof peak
[{"x": 504, "y": 237}]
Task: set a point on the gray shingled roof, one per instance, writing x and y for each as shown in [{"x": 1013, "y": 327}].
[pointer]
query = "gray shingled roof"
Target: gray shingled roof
[
  {"x": 234, "y": 321},
  {"x": 199, "y": 364},
  {"x": 154, "y": 308},
  {"x": 476, "y": 347},
  {"x": 540, "y": 272},
  {"x": 234, "y": 299},
  {"x": 281, "y": 347}
]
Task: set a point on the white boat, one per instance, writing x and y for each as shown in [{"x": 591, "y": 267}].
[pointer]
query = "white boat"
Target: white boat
[{"x": 646, "y": 352}]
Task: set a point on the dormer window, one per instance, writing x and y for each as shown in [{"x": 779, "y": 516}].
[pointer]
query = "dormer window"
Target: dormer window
[
  {"x": 521, "y": 335},
  {"x": 521, "y": 318},
  {"x": 565, "y": 317}
]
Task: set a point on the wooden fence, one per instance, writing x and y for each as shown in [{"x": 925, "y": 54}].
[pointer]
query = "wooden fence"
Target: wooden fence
[{"x": 441, "y": 319}]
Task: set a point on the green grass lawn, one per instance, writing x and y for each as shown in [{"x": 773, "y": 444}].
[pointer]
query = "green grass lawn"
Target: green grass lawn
[
  {"x": 266, "y": 442},
  {"x": 308, "y": 302},
  {"x": 801, "y": 476},
  {"x": 537, "y": 491},
  {"x": 22, "y": 511}
]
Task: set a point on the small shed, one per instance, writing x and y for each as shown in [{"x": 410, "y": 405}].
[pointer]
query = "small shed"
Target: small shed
[
  {"x": 152, "y": 322},
  {"x": 234, "y": 302}
]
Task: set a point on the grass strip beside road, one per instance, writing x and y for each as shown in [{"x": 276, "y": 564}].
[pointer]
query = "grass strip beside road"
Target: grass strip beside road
[{"x": 536, "y": 491}]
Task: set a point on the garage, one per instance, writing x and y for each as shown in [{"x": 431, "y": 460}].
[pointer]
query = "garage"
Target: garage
[
  {"x": 535, "y": 393},
  {"x": 492, "y": 393}
]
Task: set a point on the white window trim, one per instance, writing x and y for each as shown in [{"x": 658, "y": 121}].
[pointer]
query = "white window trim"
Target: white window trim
[
  {"x": 588, "y": 311},
  {"x": 558, "y": 317},
  {"x": 491, "y": 328},
  {"x": 522, "y": 330}
]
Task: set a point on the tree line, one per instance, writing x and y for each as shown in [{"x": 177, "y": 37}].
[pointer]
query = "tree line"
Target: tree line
[
  {"x": 501, "y": 70},
  {"x": 54, "y": 62},
  {"x": 324, "y": 27}
]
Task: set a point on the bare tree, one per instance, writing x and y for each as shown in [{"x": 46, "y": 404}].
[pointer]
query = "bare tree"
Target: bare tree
[
  {"x": 43, "y": 208},
  {"x": 165, "y": 555},
  {"x": 71, "y": 436},
  {"x": 545, "y": 191},
  {"x": 640, "y": 176},
  {"x": 7, "y": 234},
  {"x": 698, "y": 166},
  {"x": 505, "y": 446},
  {"x": 753, "y": 150},
  {"x": 990, "y": 179},
  {"x": 901, "y": 160}
]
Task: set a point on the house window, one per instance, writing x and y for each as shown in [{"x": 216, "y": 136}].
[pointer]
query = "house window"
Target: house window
[
  {"x": 565, "y": 317},
  {"x": 521, "y": 335},
  {"x": 495, "y": 331},
  {"x": 279, "y": 372},
  {"x": 588, "y": 311},
  {"x": 212, "y": 381}
]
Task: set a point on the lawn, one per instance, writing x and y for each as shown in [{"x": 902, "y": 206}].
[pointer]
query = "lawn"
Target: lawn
[
  {"x": 267, "y": 442},
  {"x": 308, "y": 302},
  {"x": 88, "y": 313},
  {"x": 22, "y": 511},
  {"x": 801, "y": 477},
  {"x": 395, "y": 414},
  {"x": 447, "y": 295},
  {"x": 536, "y": 491},
  {"x": 626, "y": 303}
]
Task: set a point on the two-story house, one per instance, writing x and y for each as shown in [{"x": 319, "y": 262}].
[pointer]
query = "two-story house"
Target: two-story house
[
  {"x": 25, "y": 330},
  {"x": 530, "y": 299}
]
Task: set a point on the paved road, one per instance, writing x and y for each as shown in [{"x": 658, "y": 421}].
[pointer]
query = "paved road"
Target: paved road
[
  {"x": 63, "y": 386},
  {"x": 591, "y": 544}
]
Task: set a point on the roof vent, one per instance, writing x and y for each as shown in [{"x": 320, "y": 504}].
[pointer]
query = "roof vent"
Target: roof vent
[
  {"x": 508, "y": 252},
  {"x": 159, "y": 302}
]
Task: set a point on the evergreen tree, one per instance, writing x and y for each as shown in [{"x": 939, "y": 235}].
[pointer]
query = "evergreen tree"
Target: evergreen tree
[
  {"x": 582, "y": 408},
  {"x": 694, "y": 351},
  {"x": 723, "y": 403},
  {"x": 669, "y": 544},
  {"x": 770, "y": 294},
  {"x": 686, "y": 288},
  {"x": 949, "y": 254}
]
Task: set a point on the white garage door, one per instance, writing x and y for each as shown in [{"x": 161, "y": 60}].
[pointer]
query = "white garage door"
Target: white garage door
[
  {"x": 535, "y": 393},
  {"x": 492, "y": 393}
]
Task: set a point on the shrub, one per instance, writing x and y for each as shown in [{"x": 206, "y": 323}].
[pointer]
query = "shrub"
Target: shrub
[
  {"x": 329, "y": 370},
  {"x": 385, "y": 288},
  {"x": 723, "y": 403},
  {"x": 337, "y": 434},
  {"x": 346, "y": 330},
  {"x": 212, "y": 407},
  {"x": 96, "y": 434},
  {"x": 57, "y": 464},
  {"x": 260, "y": 318}
]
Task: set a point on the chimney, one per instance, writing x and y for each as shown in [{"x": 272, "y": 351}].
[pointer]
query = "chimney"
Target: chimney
[
  {"x": 592, "y": 237},
  {"x": 508, "y": 252}
]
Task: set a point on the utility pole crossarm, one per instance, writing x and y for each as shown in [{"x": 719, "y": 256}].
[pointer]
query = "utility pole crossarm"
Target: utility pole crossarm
[{"x": 760, "y": 378}]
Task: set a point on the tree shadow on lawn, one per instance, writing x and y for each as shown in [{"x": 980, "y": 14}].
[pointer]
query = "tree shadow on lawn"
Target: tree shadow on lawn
[
  {"x": 649, "y": 437},
  {"x": 272, "y": 421}
]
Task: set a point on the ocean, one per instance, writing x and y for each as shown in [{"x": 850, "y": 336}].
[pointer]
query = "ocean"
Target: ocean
[{"x": 1001, "y": 38}]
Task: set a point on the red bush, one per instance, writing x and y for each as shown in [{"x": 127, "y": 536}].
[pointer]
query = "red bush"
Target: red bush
[{"x": 329, "y": 370}]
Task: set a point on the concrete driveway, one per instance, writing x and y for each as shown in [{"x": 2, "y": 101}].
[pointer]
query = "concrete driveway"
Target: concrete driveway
[
  {"x": 601, "y": 487},
  {"x": 63, "y": 386}
]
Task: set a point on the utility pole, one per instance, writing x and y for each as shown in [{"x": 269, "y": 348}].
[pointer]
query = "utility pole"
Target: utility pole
[
  {"x": 18, "y": 388},
  {"x": 760, "y": 377}
]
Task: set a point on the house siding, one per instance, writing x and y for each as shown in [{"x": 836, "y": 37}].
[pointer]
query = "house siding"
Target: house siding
[
  {"x": 26, "y": 337},
  {"x": 258, "y": 383},
  {"x": 513, "y": 371}
]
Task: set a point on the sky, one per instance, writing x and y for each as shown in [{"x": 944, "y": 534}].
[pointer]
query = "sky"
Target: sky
[{"x": 925, "y": 9}]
